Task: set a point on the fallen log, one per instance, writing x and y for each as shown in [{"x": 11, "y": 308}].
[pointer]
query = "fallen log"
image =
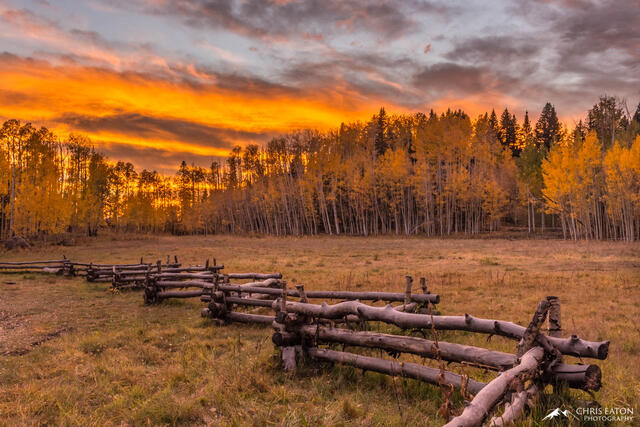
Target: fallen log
[
  {"x": 450, "y": 352},
  {"x": 19, "y": 263},
  {"x": 233, "y": 316},
  {"x": 248, "y": 301},
  {"x": 401, "y": 369},
  {"x": 345, "y": 295},
  {"x": 570, "y": 346},
  {"x": 185, "y": 275},
  {"x": 269, "y": 283},
  {"x": 514, "y": 409},
  {"x": 183, "y": 284},
  {"x": 254, "y": 276},
  {"x": 193, "y": 268},
  {"x": 583, "y": 377},
  {"x": 178, "y": 294},
  {"x": 25, "y": 270},
  {"x": 487, "y": 398}
]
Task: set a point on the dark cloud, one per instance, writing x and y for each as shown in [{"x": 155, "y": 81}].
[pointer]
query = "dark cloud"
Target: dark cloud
[
  {"x": 158, "y": 128},
  {"x": 280, "y": 19},
  {"x": 602, "y": 27},
  {"x": 162, "y": 161},
  {"x": 494, "y": 49},
  {"x": 446, "y": 77}
]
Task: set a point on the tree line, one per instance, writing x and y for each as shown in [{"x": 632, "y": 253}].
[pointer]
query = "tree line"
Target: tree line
[{"x": 430, "y": 174}]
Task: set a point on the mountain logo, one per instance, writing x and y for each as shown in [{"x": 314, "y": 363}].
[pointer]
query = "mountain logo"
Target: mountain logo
[{"x": 559, "y": 412}]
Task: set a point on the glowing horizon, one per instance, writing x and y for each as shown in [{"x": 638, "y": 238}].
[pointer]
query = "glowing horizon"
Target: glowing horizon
[{"x": 155, "y": 82}]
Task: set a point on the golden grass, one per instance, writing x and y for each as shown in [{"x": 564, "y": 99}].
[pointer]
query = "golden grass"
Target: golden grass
[{"x": 74, "y": 353}]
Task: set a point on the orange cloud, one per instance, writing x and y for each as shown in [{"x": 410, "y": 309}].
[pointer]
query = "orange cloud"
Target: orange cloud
[{"x": 45, "y": 94}]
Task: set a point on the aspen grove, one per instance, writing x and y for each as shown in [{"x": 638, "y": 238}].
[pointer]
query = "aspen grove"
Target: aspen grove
[{"x": 428, "y": 174}]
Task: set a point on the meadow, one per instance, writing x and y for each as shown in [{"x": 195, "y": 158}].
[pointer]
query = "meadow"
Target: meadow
[{"x": 76, "y": 353}]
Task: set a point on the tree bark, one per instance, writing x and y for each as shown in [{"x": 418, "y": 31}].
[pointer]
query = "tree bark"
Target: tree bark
[
  {"x": 514, "y": 409},
  {"x": 571, "y": 346},
  {"x": 401, "y": 369},
  {"x": 487, "y": 398},
  {"x": 449, "y": 352}
]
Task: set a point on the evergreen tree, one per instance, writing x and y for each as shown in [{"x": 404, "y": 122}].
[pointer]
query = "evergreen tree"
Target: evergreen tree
[
  {"x": 509, "y": 132},
  {"x": 636, "y": 116},
  {"x": 380, "y": 140},
  {"x": 494, "y": 125},
  {"x": 548, "y": 130},
  {"x": 526, "y": 126},
  {"x": 607, "y": 119}
]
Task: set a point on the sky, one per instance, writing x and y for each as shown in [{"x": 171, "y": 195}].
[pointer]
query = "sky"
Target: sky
[{"x": 156, "y": 82}]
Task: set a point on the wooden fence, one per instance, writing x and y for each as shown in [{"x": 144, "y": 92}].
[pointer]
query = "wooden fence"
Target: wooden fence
[{"x": 304, "y": 329}]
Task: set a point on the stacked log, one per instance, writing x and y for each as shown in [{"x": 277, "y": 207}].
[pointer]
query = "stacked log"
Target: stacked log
[
  {"x": 61, "y": 266},
  {"x": 301, "y": 328},
  {"x": 198, "y": 283},
  {"x": 109, "y": 272}
]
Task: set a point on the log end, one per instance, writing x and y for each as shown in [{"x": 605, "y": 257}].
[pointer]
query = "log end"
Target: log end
[
  {"x": 603, "y": 350},
  {"x": 593, "y": 378}
]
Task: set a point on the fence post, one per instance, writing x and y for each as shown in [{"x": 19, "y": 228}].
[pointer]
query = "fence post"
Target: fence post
[{"x": 555, "y": 326}]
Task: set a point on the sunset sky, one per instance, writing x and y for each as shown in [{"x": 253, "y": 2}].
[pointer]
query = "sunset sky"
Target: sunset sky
[{"x": 158, "y": 81}]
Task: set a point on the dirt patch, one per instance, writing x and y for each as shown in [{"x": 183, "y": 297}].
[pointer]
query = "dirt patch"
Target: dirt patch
[{"x": 39, "y": 341}]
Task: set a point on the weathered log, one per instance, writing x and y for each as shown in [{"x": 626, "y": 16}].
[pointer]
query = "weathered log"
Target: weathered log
[
  {"x": 402, "y": 369},
  {"x": 34, "y": 267},
  {"x": 179, "y": 294},
  {"x": 126, "y": 279},
  {"x": 515, "y": 409},
  {"x": 186, "y": 275},
  {"x": 449, "y": 352},
  {"x": 487, "y": 398},
  {"x": 234, "y": 316},
  {"x": 19, "y": 263},
  {"x": 584, "y": 377},
  {"x": 406, "y": 307},
  {"x": 254, "y": 276},
  {"x": 268, "y": 283},
  {"x": 257, "y": 288},
  {"x": 183, "y": 284},
  {"x": 570, "y": 346},
  {"x": 248, "y": 301},
  {"x": 193, "y": 268},
  {"x": 122, "y": 266},
  {"x": 274, "y": 284},
  {"x": 111, "y": 272}
]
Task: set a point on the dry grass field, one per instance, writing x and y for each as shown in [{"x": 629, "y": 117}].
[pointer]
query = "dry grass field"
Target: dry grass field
[{"x": 74, "y": 353}]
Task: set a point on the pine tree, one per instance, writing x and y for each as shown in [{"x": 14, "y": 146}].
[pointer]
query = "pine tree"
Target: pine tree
[
  {"x": 526, "y": 126},
  {"x": 494, "y": 125},
  {"x": 506, "y": 128},
  {"x": 380, "y": 140},
  {"x": 636, "y": 116},
  {"x": 548, "y": 130},
  {"x": 607, "y": 119}
]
